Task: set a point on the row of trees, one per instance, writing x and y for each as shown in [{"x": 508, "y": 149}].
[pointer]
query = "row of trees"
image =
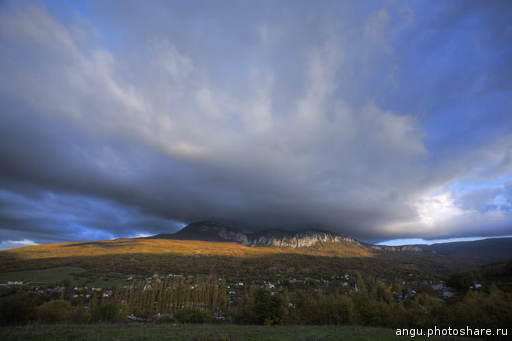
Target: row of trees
[
  {"x": 20, "y": 309},
  {"x": 483, "y": 309},
  {"x": 173, "y": 296}
]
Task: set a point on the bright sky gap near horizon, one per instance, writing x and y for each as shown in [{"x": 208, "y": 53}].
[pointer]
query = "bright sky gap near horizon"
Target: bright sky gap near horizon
[{"x": 380, "y": 120}]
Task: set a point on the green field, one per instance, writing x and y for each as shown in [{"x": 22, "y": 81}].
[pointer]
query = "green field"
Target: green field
[
  {"x": 46, "y": 276},
  {"x": 75, "y": 275},
  {"x": 149, "y": 332}
]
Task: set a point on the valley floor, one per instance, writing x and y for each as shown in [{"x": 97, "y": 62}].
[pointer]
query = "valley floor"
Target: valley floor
[{"x": 219, "y": 332}]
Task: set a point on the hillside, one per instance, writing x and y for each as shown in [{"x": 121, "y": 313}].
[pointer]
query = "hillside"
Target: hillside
[
  {"x": 147, "y": 256},
  {"x": 205, "y": 248},
  {"x": 191, "y": 248},
  {"x": 477, "y": 252}
]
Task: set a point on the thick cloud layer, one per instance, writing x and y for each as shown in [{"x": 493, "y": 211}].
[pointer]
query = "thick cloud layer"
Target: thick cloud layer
[{"x": 377, "y": 120}]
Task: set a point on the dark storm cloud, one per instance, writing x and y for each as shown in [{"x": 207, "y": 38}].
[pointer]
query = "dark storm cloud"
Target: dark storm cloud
[
  {"x": 353, "y": 117},
  {"x": 49, "y": 216}
]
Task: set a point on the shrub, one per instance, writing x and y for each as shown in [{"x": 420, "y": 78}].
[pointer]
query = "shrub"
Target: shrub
[
  {"x": 461, "y": 281},
  {"x": 80, "y": 316},
  {"x": 107, "y": 312},
  {"x": 193, "y": 316},
  {"x": 166, "y": 318},
  {"x": 54, "y": 311}
]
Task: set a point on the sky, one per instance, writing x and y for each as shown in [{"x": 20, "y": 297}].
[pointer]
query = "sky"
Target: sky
[{"x": 380, "y": 120}]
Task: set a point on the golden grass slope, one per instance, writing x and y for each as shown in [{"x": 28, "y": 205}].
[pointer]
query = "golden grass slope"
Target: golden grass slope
[
  {"x": 175, "y": 247},
  {"x": 148, "y": 256}
]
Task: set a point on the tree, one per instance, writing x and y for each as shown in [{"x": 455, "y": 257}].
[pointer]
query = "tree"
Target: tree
[
  {"x": 54, "y": 311},
  {"x": 267, "y": 308},
  {"x": 16, "y": 309}
]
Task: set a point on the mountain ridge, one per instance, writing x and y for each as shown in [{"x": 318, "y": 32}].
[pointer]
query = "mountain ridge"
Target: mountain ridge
[
  {"x": 316, "y": 238},
  {"x": 214, "y": 231},
  {"x": 221, "y": 232}
]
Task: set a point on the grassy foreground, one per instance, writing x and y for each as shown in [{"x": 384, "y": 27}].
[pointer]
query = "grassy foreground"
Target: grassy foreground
[
  {"x": 43, "y": 276},
  {"x": 122, "y": 332}
]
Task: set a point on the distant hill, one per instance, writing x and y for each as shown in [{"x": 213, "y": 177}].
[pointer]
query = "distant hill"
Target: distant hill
[{"x": 477, "y": 252}]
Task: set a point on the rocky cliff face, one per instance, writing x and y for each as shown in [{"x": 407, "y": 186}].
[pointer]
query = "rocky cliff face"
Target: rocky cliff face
[
  {"x": 297, "y": 239},
  {"x": 213, "y": 231},
  {"x": 235, "y": 236},
  {"x": 219, "y": 232}
]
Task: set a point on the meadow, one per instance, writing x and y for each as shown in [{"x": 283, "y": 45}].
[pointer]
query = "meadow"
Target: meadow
[
  {"x": 44, "y": 276},
  {"x": 222, "y": 332}
]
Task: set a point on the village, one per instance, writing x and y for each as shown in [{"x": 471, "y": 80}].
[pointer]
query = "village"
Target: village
[{"x": 233, "y": 289}]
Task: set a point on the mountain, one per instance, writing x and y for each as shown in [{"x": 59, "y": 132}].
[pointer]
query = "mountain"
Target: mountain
[
  {"x": 475, "y": 252},
  {"x": 462, "y": 254},
  {"x": 218, "y": 232},
  {"x": 213, "y": 247}
]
